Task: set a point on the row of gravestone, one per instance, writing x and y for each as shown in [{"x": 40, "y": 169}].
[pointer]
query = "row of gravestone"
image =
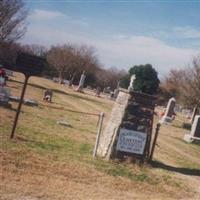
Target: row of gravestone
[{"x": 195, "y": 121}]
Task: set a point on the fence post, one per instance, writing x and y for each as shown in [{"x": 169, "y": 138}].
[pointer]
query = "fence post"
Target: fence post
[
  {"x": 98, "y": 133},
  {"x": 19, "y": 106},
  {"x": 154, "y": 141}
]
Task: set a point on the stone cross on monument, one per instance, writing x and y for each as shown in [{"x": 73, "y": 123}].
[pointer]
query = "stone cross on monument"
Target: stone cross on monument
[{"x": 130, "y": 87}]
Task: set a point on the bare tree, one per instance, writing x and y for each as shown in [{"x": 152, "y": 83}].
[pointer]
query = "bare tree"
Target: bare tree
[
  {"x": 61, "y": 57},
  {"x": 184, "y": 84},
  {"x": 190, "y": 86},
  {"x": 84, "y": 60},
  {"x": 35, "y": 49},
  {"x": 12, "y": 20}
]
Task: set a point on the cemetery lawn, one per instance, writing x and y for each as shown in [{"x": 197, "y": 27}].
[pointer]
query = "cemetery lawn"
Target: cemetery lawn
[{"x": 50, "y": 161}]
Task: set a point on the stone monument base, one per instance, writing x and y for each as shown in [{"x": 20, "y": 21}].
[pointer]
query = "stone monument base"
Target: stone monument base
[
  {"x": 190, "y": 139},
  {"x": 166, "y": 120}
]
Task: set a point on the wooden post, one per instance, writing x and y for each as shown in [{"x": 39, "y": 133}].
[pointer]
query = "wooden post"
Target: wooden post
[
  {"x": 98, "y": 134},
  {"x": 19, "y": 106},
  {"x": 154, "y": 141}
]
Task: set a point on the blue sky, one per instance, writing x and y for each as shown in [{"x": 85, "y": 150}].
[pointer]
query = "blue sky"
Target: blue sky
[{"x": 123, "y": 33}]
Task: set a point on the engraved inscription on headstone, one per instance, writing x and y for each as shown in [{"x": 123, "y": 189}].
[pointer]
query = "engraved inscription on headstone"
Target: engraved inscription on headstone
[{"x": 131, "y": 141}]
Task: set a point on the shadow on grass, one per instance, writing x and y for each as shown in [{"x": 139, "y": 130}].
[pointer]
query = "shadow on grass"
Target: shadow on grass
[
  {"x": 195, "y": 142},
  {"x": 181, "y": 170}
]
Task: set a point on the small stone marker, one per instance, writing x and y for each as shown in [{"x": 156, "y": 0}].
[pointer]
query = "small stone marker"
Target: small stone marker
[
  {"x": 195, "y": 131},
  {"x": 30, "y": 102},
  {"x": 4, "y": 96},
  {"x": 169, "y": 113},
  {"x": 98, "y": 92},
  {"x": 64, "y": 123},
  {"x": 48, "y": 95}
]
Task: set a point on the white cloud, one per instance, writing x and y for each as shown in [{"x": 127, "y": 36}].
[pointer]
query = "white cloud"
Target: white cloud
[
  {"x": 187, "y": 32},
  {"x": 45, "y": 14},
  {"x": 39, "y": 15},
  {"x": 119, "y": 50}
]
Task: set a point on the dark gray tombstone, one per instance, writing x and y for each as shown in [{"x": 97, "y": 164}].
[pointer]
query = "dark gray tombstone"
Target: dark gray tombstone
[
  {"x": 4, "y": 96},
  {"x": 170, "y": 107},
  {"x": 195, "y": 131}
]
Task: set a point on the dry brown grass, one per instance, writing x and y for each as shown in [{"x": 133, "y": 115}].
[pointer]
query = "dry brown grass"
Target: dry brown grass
[{"x": 48, "y": 161}]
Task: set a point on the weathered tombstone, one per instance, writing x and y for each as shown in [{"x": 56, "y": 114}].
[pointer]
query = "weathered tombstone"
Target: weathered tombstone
[
  {"x": 111, "y": 95},
  {"x": 169, "y": 113},
  {"x": 81, "y": 82},
  {"x": 30, "y": 102},
  {"x": 116, "y": 92},
  {"x": 4, "y": 96},
  {"x": 128, "y": 132},
  {"x": 98, "y": 92},
  {"x": 48, "y": 95},
  {"x": 195, "y": 131}
]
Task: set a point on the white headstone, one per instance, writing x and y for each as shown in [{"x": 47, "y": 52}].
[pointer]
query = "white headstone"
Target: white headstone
[
  {"x": 82, "y": 80},
  {"x": 4, "y": 94}
]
